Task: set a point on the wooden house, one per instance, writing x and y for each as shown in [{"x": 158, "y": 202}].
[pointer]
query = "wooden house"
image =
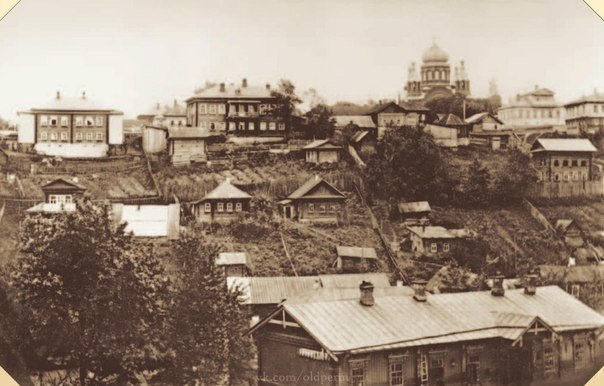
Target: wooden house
[
  {"x": 414, "y": 212},
  {"x": 495, "y": 140},
  {"x": 484, "y": 121},
  {"x": 570, "y": 232},
  {"x": 355, "y": 259},
  {"x": 187, "y": 145},
  {"x": 364, "y": 141},
  {"x": 233, "y": 263},
  {"x": 223, "y": 204},
  {"x": 315, "y": 201},
  {"x": 487, "y": 338},
  {"x": 392, "y": 115},
  {"x": 431, "y": 240},
  {"x": 322, "y": 151},
  {"x": 59, "y": 196},
  {"x": 154, "y": 139},
  {"x": 563, "y": 159}
]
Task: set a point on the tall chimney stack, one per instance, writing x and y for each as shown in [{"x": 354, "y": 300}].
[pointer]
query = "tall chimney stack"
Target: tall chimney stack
[
  {"x": 530, "y": 284},
  {"x": 268, "y": 86},
  {"x": 419, "y": 286},
  {"x": 366, "y": 294},
  {"x": 497, "y": 288},
  {"x": 58, "y": 95},
  {"x": 83, "y": 94},
  {"x": 222, "y": 89},
  {"x": 244, "y": 83}
]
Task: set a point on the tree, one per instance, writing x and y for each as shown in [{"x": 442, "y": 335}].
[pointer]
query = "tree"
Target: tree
[
  {"x": 477, "y": 187},
  {"x": 454, "y": 278},
  {"x": 207, "y": 321},
  {"x": 407, "y": 165},
  {"x": 286, "y": 100},
  {"x": 95, "y": 295},
  {"x": 320, "y": 123},
  {"x": 454, "y": 104},
  {"x": 471, "y": 254},
  {"x": 514, "y": 179},
  {"x": 256, "y": 223}
]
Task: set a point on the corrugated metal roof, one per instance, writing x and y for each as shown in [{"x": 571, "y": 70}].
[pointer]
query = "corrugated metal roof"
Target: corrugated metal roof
[
  {"x": 393, "y": 321},
  {"x": 352, "y": 280},
  {"x": 438, "y": 232},
  {"x": 414, "y": 207},
  {"x": 359, "y": 252},
  {"x": 323, "y": 144},
  {"x": 226, "y": 190},
  {"x": 81, "y": 103},
  {"x": 310, "y": 185},
  {"x": 363, "y": 121},
  {"x": 564, "y": 144},
  {"x": 231, "y": 258},
  {"x": 478, "y": 117}
]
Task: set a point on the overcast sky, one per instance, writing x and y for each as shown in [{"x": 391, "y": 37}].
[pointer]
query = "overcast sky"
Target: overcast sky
[{"x": 131, "y": 53}]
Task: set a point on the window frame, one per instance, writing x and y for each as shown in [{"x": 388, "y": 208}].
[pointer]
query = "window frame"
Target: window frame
[
  {"x": 64, "y": 121},
  {"x": 220, "y": 207},
  {"x": 229, "y": 207},
  {"x": 238, "y": 207},
  {"x": 207, "y": 207},
  {"x": 396, "y": 377},
  {"x": 433, "y": 247}
]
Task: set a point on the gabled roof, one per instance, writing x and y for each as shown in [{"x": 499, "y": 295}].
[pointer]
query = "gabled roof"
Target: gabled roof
[
  {"x": 62, "y": 184},
  {"x": 403, "y": 107},
  {"x": 438, "y": 232},
  {"x": 226, "y": 190},
  {"x": 322, "y": 144},
  {"x": 479, "y": 117},
  {"x": 414, "y": 207},
  {"x": 362, "y": 121},
  {"x": 572, "y": 274},
  {"x": 450, "y": 120},
  {"x": 231, "y": 258},
  {"x": 563, "y": 224},
  {"x": 81, "y": 103},
  {"x": 234, "y": 91},
  {"x": 358, "y": 252},
  {"x": 313, "y": 183},
  {"x": 346, "y": 326},
  {"x": 564, "y": 145},
  {"x": 359, "y": 135}
]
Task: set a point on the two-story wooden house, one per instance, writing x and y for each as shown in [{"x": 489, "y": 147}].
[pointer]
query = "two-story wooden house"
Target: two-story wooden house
[
  {"x": 315, "y": 201},
  {"x": 71, "y": 127},
  {"x": 563, "y": 159},
  {"x": 223, "y": 204},
  {"x": 241, "y": 110},
  {"x": 531, "y": 336}
]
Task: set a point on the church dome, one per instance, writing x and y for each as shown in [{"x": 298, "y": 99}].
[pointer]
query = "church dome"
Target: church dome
[{"x": 435, "y": 54}]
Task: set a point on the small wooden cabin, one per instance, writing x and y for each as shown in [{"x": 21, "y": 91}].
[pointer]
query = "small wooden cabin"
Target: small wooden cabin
[
  {"x": 233, "y": 263},
  {"x": 414, "y": 212},
  {"x": 315, "y": 201},
  {"x": 570, "y": 231},
  {"x": 431, "y": 240},
  {"x": 223, "y": 204},
  {"x": 354, "y": 259},
  {"x": 322, "y": 151},
  {"x": 187, "y": 145},
  {"x": 59, "y": 196}
]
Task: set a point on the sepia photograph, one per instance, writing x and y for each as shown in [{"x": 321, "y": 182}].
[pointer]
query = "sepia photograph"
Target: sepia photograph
[{"x": 302, "y": 192}]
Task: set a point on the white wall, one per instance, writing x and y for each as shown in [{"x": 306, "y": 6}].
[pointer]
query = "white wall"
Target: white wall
[
  {"x": 149, "y": 220},
  {"x": 72, "y": 150},
  {"x": 27, "y": 128},
  {"x": 116, "y": 129}
]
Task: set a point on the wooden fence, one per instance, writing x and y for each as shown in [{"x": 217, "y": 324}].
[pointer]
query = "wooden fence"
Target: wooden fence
[{"x": 566, "y": 189}]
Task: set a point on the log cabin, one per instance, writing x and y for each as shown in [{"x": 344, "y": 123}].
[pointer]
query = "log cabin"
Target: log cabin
[
  {"x": 315, "y": 201},
  {"x": 223, "y": 204}
]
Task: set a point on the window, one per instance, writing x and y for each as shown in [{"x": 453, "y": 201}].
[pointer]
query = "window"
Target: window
[
  {"x": 220, "y": 207},
  {"x": 252, "y": 109},
  {"x": 64, "y": 121},
  {"x": 53, "y": 120},
  {"x": 60, "y": 199},
  {"x": 207, "y": 207},
  {"x": 566, "y": 176},
  {"x": 212, "y": 126},
  {"x": 53, "y": 136},
  {"x": 89, "y": 121},
  {"x": 272, "y": 125},
  {"x": 357, "y": 373},
  {"x": 311, "y": 207},
  {"x": 250, "y": 126},
  {"x": 232, "y": 126},
  {"x": 433, "y": 247},
  {"x": 202, "y": 108},
  {"x": 333, "y": 208},
  {"x": 238, "y": 207},
  {"x": 473, "y": 369},
  {"x": 574, "y": 290},
  {"x": 556, "y": 162},
  {"x": 322, "y": 208},
  {"x": 556, "y": 177},
  {"x": 212, "y": 109},
  {"x": 396, "y": 370},
  {"x": 580, "y": 354},
  {"x": 446, "y": 247},
  {"x": 263, "y": 126},
  {"x": 64, "y": 136},
  {"x": 221, "y": 109},
  {"x": 584, "y": 176},
  {"x": 203, "y": 124},
  {"x": 262, "y": 110},
  {"x": 583, "y": 163},
  {"x": 89, "y": 136},
  {"x": 99, "y": 121},
  {"x": 79, "y": 120},
  {"x": 43, "y": 120},
  {"x": 99, "y": 137},
  {"x": 575, "y": 176},
  {"x": 574, "y": 163},
  {"x": 565, "y": 163},
  {"x": 43, "y": 136},
  {"x": 281, "y": 126},
  {"x": 229, "y": 207},
  {"x": 549, "y": 358},
  {"x": 241, "y": 125},
  {"x": 79, "y": 137},
  {"x": 436, "y": 368}
]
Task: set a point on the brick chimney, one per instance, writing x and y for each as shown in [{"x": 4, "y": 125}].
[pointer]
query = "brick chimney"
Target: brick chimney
[
  {"x": 419, "y": 286},
  {"x": 366, "y": 294},
  {"x": 497, "y": 288},
  {"x": 244, "y": 83},
  {"x": 58, "y": 95},
  {"x": 530, "y": 284},
  {"x": 268, "y": 86},
  {"x": 222, "y": 89},
  {"x": 175, "y": 103}
]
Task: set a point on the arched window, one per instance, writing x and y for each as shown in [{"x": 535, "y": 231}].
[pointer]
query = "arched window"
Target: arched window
[
  {"x": 556, "y": 163},
  {"x": 437, "y": 75}
]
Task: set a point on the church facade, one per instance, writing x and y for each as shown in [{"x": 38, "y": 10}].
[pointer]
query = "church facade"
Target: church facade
[{"x": 434, "y": 78}]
